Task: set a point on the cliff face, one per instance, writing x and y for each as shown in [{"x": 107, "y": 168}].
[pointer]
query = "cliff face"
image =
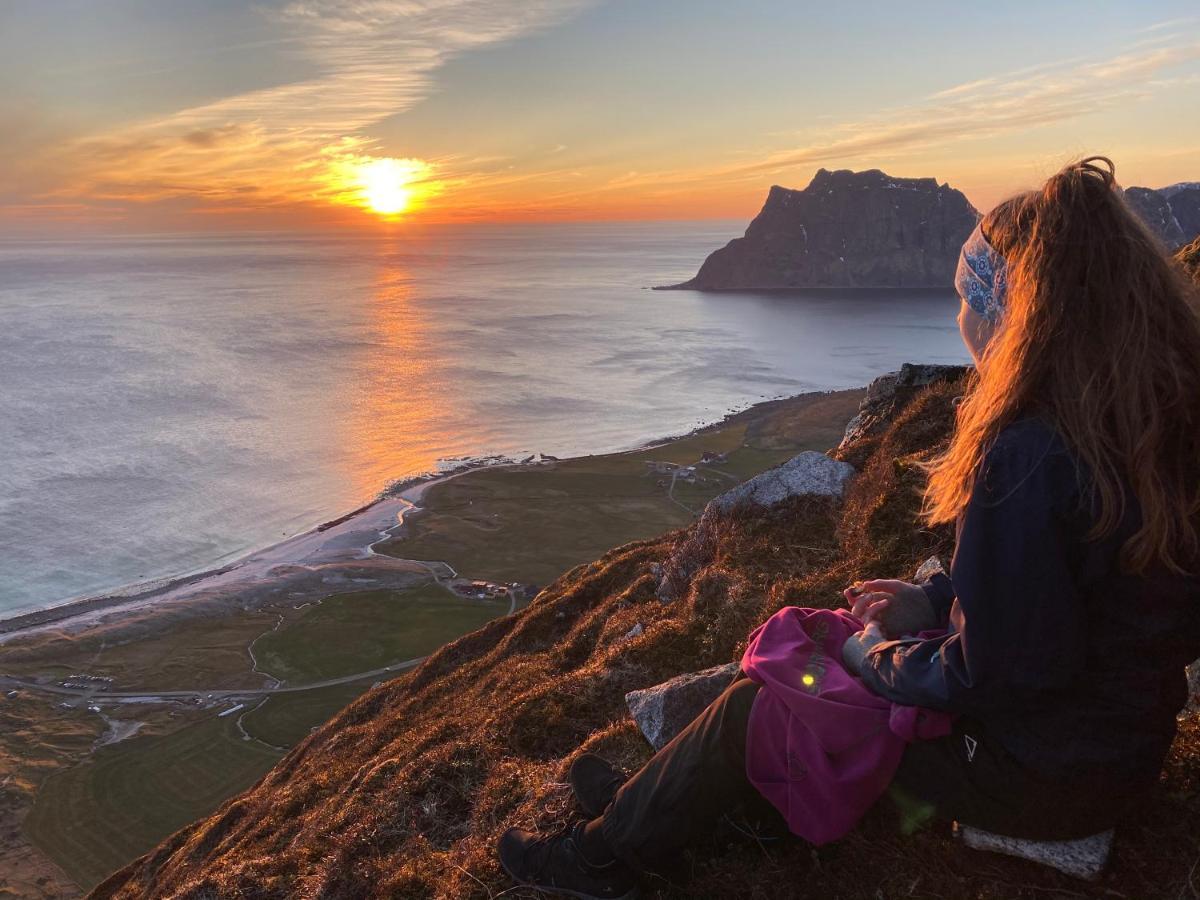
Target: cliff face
[
  {"x": 1154, "y": 209},
  {"x": 1173, "y": 213},
  {"x": 868, "y": 229},
  {"x": 404, "y": 793},
  {"x": 847, "y": 229},
  {"x": 1184, "y": 200}
]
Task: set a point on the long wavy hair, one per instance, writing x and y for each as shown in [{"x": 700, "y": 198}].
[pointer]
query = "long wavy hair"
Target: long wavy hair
[{"x": 1101, "y": 338}]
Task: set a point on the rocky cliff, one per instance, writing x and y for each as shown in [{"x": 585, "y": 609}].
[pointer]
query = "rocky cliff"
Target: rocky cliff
[
  {"x": 868, "y": 229},
  {"x": 404, "y": 793},
  {"x": 847, "y": 229}
]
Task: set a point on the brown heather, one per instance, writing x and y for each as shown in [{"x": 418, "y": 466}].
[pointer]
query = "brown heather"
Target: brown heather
[{"x": 403, "y": 794}]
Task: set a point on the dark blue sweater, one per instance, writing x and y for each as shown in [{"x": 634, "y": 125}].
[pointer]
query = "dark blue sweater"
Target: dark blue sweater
[{"x": 1075, "y": 668}]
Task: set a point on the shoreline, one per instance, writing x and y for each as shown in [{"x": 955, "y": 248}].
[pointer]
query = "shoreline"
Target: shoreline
[{"x": 342, "y": 539}]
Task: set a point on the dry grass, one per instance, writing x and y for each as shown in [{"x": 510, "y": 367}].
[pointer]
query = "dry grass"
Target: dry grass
[{"x": 405, "y": 792}]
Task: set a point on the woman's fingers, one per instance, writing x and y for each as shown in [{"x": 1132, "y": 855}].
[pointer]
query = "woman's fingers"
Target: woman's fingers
[
  {"x": 866, "y": 601},
  {"x": 887, "y": 585}
]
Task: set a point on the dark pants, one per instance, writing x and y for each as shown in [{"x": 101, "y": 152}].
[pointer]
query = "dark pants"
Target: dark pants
[{"x": 686, "y": 787}]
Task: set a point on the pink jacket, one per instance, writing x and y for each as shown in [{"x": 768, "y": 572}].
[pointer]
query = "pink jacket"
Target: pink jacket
[{"x": 820, "y": 745}]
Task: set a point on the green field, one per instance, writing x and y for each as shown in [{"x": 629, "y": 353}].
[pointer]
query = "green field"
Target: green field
[
  {"x": 365, "y": 630},
  {"x": 94, "y": 818},
  {"x": 533, "y": 524},
  {"x": 286, "y": 719}
]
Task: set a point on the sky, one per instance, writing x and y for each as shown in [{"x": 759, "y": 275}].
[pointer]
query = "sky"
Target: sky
[{"x": 178, "y": 115}]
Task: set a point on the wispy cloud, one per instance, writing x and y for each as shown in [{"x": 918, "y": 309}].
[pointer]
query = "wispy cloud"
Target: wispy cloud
[
  {"x": 1014, "y": 102},
  {"x": 374, "y": 59}
]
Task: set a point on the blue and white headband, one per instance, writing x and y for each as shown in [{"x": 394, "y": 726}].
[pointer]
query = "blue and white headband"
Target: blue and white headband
[{"x": 982, "y": 276}]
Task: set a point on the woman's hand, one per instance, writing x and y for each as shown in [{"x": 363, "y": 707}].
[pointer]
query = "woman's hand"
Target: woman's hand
[
  {"x": 854, "y": 651},
  {"x": 897, "y": 607}
]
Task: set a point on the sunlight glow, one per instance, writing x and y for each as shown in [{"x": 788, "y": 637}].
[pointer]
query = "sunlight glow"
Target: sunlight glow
[{"x": 383, "y": 185}]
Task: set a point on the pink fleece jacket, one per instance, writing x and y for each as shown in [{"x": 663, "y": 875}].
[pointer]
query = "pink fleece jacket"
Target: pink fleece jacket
[{"x": 820, "y": 745}]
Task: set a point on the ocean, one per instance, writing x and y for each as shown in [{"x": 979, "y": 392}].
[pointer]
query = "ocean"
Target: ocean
[{"x": 170, "y": 403}]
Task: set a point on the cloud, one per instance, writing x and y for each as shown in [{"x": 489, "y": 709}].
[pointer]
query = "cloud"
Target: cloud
[
  {"x": 993, "y": 106},
  {"x": 373, "y": 58},
  {"x": 1015, "y": 102}
]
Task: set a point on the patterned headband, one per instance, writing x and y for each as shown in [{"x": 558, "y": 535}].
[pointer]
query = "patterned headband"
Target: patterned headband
[{"x": 982, "y": 276}]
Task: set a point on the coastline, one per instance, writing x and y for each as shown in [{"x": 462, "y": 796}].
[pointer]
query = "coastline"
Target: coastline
[{"x": 347, "y": 538}]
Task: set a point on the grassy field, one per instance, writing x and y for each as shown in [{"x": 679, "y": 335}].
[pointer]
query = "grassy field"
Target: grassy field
[
  {"x": 367, "y": 630},
  {"x": 286, "y": 719},
  {"x": 95, "y": 817},
  {"x": 533, "y": 524},
  {"x": 204, "y": 652}
]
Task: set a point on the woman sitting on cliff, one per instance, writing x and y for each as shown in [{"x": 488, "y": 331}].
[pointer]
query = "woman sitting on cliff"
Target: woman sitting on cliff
[{"x": 1062, "y": 632}]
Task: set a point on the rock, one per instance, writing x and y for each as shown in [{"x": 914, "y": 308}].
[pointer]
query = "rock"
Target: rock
[
  {"x": 636, "y": 631},
  {"x": 929, "y": 568},
  {"x": 1083, "y": 858},
  {"x": 847, "y": 229},
  {"x": 806, "y": 473},
  {"x": 662, "y": 711},
  {"x": 886, "y": 391}
]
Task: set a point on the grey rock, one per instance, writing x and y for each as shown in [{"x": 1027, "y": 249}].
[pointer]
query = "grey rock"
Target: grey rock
[
  {"x": 636, "y": 631},
  {"x": 809, "y": 473},
  {"x": 662, "y": 711},
  {"x": 1083, "y": 858},
  {"x": 883, "y": 394},
  {"x": 847, "y": 229},
  {"x": 929, "y": 568}
]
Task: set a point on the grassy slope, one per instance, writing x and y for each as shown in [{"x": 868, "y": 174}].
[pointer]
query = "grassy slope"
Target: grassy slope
[
  {"x": 406, "y": 791},
  {"x": 76, "y": 810}
]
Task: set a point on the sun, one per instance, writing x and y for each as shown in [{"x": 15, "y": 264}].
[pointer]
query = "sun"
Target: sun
[
  {"x": 386, "y": 186},
  {"x": 384, "y": 183}
]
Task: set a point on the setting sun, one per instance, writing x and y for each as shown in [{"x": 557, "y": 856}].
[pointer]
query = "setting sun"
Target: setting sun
[{"x": 384, "y": 185}]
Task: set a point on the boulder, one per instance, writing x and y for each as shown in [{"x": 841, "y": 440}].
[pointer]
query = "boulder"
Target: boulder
[
  {"x": 662, "y": 711},
  {"x": 888, "y": 391},
  {"x": 809, "y": 473}
]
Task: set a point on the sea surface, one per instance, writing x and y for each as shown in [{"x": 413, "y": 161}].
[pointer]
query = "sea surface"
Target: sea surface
[{"x": 169, "y": 403}]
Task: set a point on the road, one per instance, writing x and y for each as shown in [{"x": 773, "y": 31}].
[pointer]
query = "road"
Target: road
[{"x": 8, "y": 683}]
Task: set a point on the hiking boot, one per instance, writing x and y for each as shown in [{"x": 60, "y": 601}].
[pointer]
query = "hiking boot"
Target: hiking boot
[
  {"x": 555, "y": 863},
  {"x": 595, "y": 782}
]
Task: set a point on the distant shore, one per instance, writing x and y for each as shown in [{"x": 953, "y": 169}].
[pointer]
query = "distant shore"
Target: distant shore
[{"x": 345, "y": 538}]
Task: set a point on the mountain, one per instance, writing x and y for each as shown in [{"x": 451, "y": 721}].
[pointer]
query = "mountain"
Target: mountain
[
  {"x": 869, "y": 229},
  {"x": 1185, "y": 206},
  {"x": 847, "y": 229},
  {"x": 1153, "y": 208},
  {"x": 404, "y": 793}
]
